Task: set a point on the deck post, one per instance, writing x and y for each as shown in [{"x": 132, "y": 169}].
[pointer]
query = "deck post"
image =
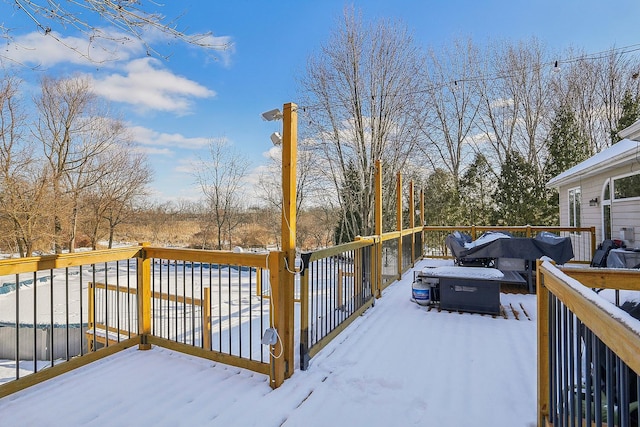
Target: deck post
[
  {"x": 144, "y": 297},
  {"x": 206, "y": 318},
  {"x": 378, "y": 230},
  {"x": 279, "y": 351},
  {"x": 357, "y": 273},
  {"x": 259, "y": 282},
  {"x": 399, "y": 221},
  {"x": 543, "y": 346},
  {"x": 412, "y": 223},
  {"x": 422, "y": 221},
  {"x": 91, "y": 325},
  {"x": 289, "y": 229}
]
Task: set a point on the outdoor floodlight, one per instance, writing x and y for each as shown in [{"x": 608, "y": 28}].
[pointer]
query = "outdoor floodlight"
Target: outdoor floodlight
[
  {"x": 270, "y": 336},
  {"x": 272, "y": 115},
  {"x": 276, "y": 138}
]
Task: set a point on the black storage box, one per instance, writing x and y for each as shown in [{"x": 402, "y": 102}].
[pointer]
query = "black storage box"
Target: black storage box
[{"x": 479, "y": 296}]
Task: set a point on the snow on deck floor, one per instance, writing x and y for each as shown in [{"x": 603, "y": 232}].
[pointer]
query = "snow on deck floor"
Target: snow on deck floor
[{"x": 399, "y": 364}]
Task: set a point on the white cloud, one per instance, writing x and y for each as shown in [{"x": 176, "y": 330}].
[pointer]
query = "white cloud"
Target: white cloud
[
  {"x": 223, "y": 47},
  {"x": 35, "y": 49},
  {"x": 155, "y": 151},
  {"x": 274, "y": 152},
  {"x": 477, "y": 138},
  {"x": 148, "y": 85},
  {"x": 105, "y": 46},
  {"x": 158, "y": 141},
  {"x": 186, "y": 165},
  {"x": 501, "y": 103},
  {"x": 143, "y": 82}
]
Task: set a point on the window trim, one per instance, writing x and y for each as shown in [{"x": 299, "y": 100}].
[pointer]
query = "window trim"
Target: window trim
[
  {"x": 573, "y": 219},
  {"x": 613, "y": 188},
  {"x": 606, "y": 232}
]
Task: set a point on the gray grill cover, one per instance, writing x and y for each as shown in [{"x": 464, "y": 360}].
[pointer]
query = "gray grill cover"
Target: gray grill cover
[{"x": 547, "y": 244}]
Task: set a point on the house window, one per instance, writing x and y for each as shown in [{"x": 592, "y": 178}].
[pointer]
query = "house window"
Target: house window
[
  {"x": 626, "y": 187},
  {"x": 574, "y": 207},
  {"x": 606, "y": 210}
]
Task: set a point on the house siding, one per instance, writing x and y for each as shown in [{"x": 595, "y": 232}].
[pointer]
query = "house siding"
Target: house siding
[
  {"x": 624, "y": 213},
  {"x": 627, "y": 214}
]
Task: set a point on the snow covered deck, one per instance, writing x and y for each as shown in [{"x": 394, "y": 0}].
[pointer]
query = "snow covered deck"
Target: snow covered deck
[{"x": 399, "y": 364}]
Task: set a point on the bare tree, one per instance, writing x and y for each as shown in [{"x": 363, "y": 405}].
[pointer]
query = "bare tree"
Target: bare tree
[
  {"x": 23, "y": 183},
  {"x": 453, "y": 106},
  {"x": 133, "y": 20},
  {"x": 308, "y": 186},
  {"x": 74, "y": 131},
  {"x": 158, "y": 217},
  {"x": 517, "y": 103},
  {"x": 594, "y": 87},
  {"x": 220, "y": 177},
  {"x": 364, "y": 88},
  {"x": 113, "y": 196}
]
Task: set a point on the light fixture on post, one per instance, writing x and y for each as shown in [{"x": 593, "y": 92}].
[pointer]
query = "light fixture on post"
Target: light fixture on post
[
  {"x": 593, "y": 202},
  {"x": 272, "y": 115},
  {"x": 283, "y": 320},
  {"x": 276, "y": 138}
]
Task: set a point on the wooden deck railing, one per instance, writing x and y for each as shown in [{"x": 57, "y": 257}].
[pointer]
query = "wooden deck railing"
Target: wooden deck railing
[
  {"x": 336, "y": 286},
  {"x": 111, "y": 319},
  {"x": 212, "y": 304},
  {"x": 588, "y": 349},
  {"x": 205, "y": 303}
]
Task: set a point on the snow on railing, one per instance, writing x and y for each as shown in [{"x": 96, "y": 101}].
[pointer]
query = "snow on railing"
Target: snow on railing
[{"x": 588, "y": 348}]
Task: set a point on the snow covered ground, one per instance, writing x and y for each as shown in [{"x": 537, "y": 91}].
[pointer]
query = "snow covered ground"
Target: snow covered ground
[{"x": 400, "y": 364}]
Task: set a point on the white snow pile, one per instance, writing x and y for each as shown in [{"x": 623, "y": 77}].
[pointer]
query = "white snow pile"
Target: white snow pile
[
  {"x": 486, "y": 238},
  {"x": 434, "y": 262},
  {"x": 464, "y": 272}
]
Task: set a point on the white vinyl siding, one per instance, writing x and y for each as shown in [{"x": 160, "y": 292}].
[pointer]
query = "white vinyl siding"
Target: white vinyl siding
[{"x": 624, "y": 212}]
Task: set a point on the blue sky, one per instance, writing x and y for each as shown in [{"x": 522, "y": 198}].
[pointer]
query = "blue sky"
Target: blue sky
[{"x": 176, "y": 105}]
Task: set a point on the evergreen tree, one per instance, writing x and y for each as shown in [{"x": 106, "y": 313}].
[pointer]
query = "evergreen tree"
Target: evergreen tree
[
  {"x": 629, "y": 115},
  {"x": 476, "y": 188},
  {"x": 520, "y": 197},
  {"x": 350, "y": 224},
  {"x": 566, "y": 148},
  {"x": 442, "y": 201}
]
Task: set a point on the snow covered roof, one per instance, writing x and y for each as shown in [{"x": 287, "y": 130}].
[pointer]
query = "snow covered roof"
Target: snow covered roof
[
  {"x": 631, "y": 132},
  {"x": 625, "y": 151}
]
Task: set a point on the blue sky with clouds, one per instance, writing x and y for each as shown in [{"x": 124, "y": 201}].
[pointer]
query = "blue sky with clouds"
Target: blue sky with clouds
[{"x": 176, "y": 105}]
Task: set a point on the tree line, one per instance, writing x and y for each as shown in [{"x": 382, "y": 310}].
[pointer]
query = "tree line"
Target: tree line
[
  {"x": 67, "y": 169},
  {"x": 71, "y": 176},
  {"x": 481, "y": 128}
]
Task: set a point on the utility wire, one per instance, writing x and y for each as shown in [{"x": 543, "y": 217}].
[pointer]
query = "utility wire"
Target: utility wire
[{"x": 502, "y": 76}]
